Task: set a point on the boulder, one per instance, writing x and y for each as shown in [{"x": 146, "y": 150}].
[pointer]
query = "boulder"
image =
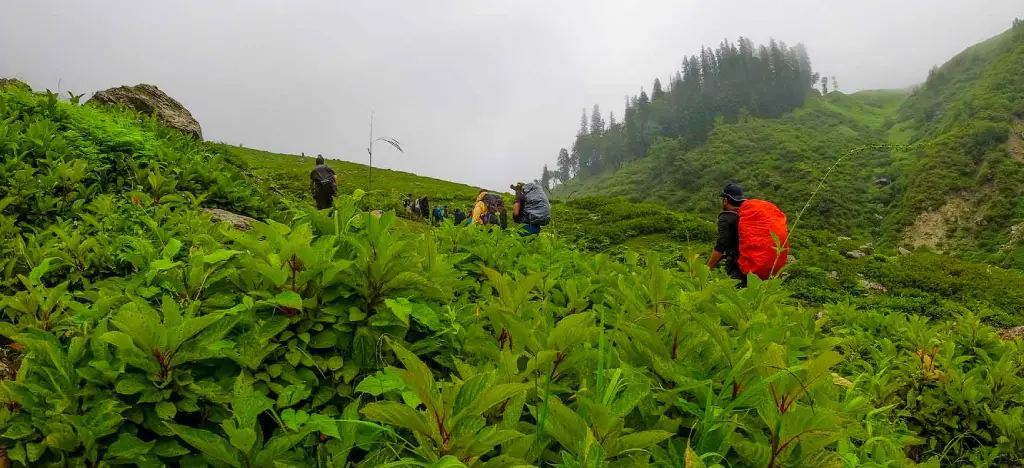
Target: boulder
[
  {"x": 1014, "y": 333},
  {"x": 903, "y": 251},
  {"x": 856, "y": 254},
  {"x": 13, "y": 83},
  {"x": 874, "y": 287},
  {"x": 148, "y": 99},
  {"x": 242, "y": 223}
]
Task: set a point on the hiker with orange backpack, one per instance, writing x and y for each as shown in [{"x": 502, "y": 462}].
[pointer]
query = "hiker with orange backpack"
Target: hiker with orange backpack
[{"x": 752, "y": 237}]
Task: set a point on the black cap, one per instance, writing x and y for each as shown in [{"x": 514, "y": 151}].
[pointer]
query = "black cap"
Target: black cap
[{"x": 734, "y": 193}]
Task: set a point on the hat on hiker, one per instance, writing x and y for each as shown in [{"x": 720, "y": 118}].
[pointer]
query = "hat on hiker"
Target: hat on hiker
[
  {"x": 319, "y": 159},
  {"x": 734, "y": 193}
]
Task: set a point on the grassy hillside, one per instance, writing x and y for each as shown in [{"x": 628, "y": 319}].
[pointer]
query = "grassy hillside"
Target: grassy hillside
[
  {"x": 146, "y": 335},
  {"x": 963, "y": 183},
  {"x": 779, "y": 159},
  {"x": 288, "y": 174}
]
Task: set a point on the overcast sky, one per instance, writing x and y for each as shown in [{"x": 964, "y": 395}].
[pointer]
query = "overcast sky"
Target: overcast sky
[{"x": 477, "y": 91}]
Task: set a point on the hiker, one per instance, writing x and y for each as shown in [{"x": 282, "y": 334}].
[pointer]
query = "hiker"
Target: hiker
[
  {"x": 439, "y": 214},
  {"x": 424, "y": 207},
  {"x": 408, "y": 205},
  {"x": 490, "y": 209},
  {"x": 323, "y": 184},
  {"x": 747, "y": 230},
  {"x": 531, "y": 208},
  {"x": 460, "y": 216}
]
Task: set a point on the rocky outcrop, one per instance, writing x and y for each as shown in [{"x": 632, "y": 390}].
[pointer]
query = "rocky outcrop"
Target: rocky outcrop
[
  {"x": 242, "y": 223},
  {"x": 856, "y": 254},
  {"x": 1014, "y": 333},
  {"x": 148, "y": 99},
  {"x": 13, "y": 82}
]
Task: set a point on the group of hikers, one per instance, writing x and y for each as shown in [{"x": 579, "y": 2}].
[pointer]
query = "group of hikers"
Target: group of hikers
[
  {"x": 531, "y": 208},
  {"x": 752, "y": 234}
]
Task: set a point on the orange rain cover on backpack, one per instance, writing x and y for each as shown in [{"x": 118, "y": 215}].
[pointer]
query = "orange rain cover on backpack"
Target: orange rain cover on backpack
[{"x": 758, "y": 255}]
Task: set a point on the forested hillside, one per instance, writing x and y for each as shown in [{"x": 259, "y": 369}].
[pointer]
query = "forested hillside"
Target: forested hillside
[{"x": 936, "y": 167}]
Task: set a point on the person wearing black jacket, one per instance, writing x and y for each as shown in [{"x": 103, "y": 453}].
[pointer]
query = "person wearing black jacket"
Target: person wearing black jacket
[
  {"x": 323, "y": 184},
  {"x": 727, "y": 247}
]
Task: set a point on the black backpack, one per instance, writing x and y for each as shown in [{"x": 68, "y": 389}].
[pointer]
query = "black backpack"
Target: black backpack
[{"x": 323, "y": 179}]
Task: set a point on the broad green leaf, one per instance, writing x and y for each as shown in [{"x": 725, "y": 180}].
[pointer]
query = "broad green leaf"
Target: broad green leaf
[
  {"x": 128, "y": 446},
  {"x": 417, "y": 376},
  {"x": 132, "y": 384},
  {"x": 495, "y": 395},
  {"x": 398, "y": 415},
  {"x": 219, "y": 255},
  {"x": 400, "y": 307},
  {"x": 277, "y": 446},
  {"x": 171, "y": 249},
  {"x": 18, "y": 430},
  {"x": 166, "y": 410},
  {"x": 212, "y": 446},
  {"x": 469, "y": 391},
  {"x": 636, "y": 440},
  {"x": 289, "y": 299},
  {"x": 335, "y": 363},
  {"x": 448, "y": 461},
  {"x": 380, "y": 383},
  {"x": 41, "y": 269},
  {"x": 291, "y": 395},
  {"x": 169, "y": 448},
  {"x": 246, "y": 403},
  {"x": 324, "y": 339}
]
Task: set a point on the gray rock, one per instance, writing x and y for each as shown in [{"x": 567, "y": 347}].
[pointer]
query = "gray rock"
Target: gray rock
[
  {"x": 873, "y": 286},
  {"x": 856, "y": 254},
  {"x": 148, "y": 99},
  {"x": 13, "y": 83},
  {"x": 1014, "y": 333},
  {"x": 242, "y": 223},
  {"x": 903, "y": 251},
  {"x": 833, "y": 275}
]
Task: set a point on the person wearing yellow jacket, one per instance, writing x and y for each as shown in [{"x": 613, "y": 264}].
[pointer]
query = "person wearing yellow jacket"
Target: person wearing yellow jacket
[{"x": 480, "y": 208}]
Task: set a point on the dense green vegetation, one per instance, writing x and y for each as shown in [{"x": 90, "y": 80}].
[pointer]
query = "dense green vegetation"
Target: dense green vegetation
[{"x": 144, "y": 334}]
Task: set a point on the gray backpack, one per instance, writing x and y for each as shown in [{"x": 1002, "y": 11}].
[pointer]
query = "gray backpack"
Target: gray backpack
[{"x": 536, "y": 208}]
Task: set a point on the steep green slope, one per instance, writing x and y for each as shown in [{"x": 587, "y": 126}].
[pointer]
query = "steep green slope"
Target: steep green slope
[
  {"x": 780, "y": 159},
  {"x": 963, "y": 184}
]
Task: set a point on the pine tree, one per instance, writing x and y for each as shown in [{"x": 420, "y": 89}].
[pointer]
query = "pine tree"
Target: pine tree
[
  {"x": 583, "y": 124},
  {"x": 824, "y": 85},
  {"x": 545, "y": 179},
  {"x": 611, "y": 121},
  {"x": 656, "y": 91},
  {"x": 596, "y": 121},
  {"x": 835, "y": 85},
  {"x": 564, "y": 166}
]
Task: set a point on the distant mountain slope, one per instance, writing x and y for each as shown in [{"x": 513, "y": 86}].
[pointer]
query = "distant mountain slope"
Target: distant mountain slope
[{"x": 780, "y": 159}]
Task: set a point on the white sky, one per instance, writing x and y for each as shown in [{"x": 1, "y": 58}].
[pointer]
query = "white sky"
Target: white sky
[{"x": 482, "y": 92}]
